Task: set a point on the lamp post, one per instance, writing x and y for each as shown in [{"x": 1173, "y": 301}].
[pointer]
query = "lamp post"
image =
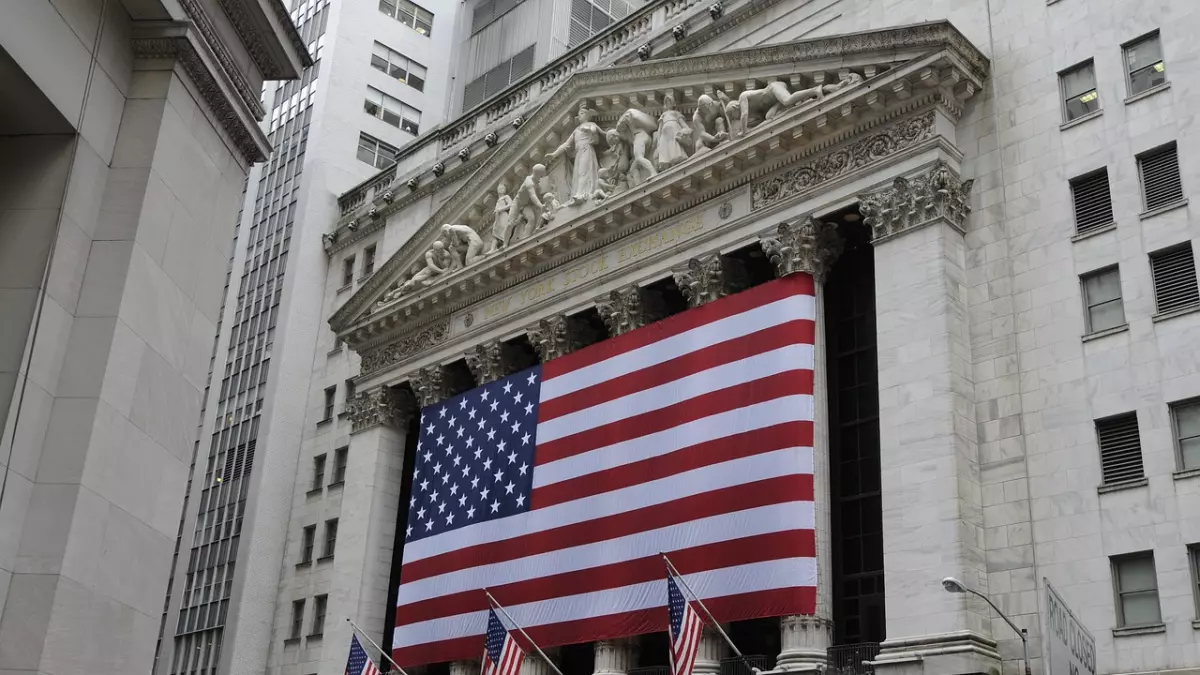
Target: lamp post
[{"x": 953, "y": 585}]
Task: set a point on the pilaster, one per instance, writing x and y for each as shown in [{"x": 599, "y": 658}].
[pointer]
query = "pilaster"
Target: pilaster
[
  {"x": 622, "y": 310},
  {"x": 615, "y": 657},
  {"x": 931, "y": 496}
]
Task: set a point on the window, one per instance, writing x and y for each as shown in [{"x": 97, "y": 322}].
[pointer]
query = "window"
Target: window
[
  {"x": 391, "y": 62},
  {"x": 297, "y": 619},
  {"x": 1144, "y": 63},
  {"x": 1092, "y": 200},
  {"x": 310, "y": 537},
  {"x": 1102, "y": 304},
  {"x": 1159, "y": 170},
  {"x": 348, "y": 270},
  {"x": 368, "y": 260},
  {"x": 497, "y": 79},
  {"x": 318, "y": 472},
  {"x": 1120, "y": 449},
  {"x": 319, "y": 605},
  {"x": 392, "y": 110},
  {"x": 1174, "y": 272},
  {"x": 589, "y": 18},
  {"x": 1185, "y": 418},
  {"x": 340, "y": 457},
  {"x": 349, "y": 385},
  {"x": 411, "y": 15},
  {"x": 375, "y": 152},
  {"x": 330, "y": 537},
  {"x": 1078, "y": 88},
  {"x": 1137, "y": 590},
  {"x": 1194, "y": 558},
  {"x": 330, "y": 397}
]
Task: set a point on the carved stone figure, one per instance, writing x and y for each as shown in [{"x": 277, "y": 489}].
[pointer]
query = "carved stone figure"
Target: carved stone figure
[
  {"x": 710, "y": 124},
  {"x": 636, "y": 130},
  {"x": 501, "y": 219},
  {"x": 755, "y": 106},
  {"x": 419, "y": 276},
  {"x": 845, "y": 80},
  {"x": 581, "y": 146},
  {"x": 669, "y": 148},
  {"x": 550, "y": 205},
  {"x": 464, "y": 242},
  {"x": 614, "y": 164},
  {"x": 527, "y": 208}
]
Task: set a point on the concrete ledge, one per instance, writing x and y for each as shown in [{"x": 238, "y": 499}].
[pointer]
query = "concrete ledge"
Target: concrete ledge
[
  {"x": 1091, "y": 233},
  {"x": 1126, "y": 485},
  {"x": 1148, "y": 93},
  {"x": 1081, "y": 119},
  {"x": 1163, "y": 209},
  {"x": 1105, "y": 333},
  {"x": 1139, "y": 630},
  {"x": 1174, "y": 313},
  {"x": 1186, "y": 473}
]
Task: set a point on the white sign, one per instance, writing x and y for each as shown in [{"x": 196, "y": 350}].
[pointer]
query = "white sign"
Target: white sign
[{"x": 1072, "y": 647}]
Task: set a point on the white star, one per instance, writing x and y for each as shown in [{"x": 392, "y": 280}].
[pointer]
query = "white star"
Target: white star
[
  {"x": 495, "y": 402},
  {"x": 478, "y": 452},
  {"x": 516, "y": 427},
  {"x": 475, "y": 482},
  {"x": 457, "y": 460},
  {"x": 460, "y": 432},
  {"x": 421, "y": 513},
  {"x": 512, "y": 458},
  {"x": 504, "y": 416},
  {"x": 482, "y": 423},
  {"x": 442, "y": 413},
  {"x": 412, "y": 502},
  {"x": 520, "y": 500},
  {"x": 462, "y": 405},
  {"x": 441, "y": 439},
  {"x": 491, "y": 434},
  {"x": 429, "y": 429},
  {"x": 487, "y": 464},
  {"x": 450, "y": 518},
  {"x": 453, "y": 421},
  {"x": 495, "y": 507},
  {"x": 433, "y": 497},
  {"x": 428, "y": 456},
  {"x": 499, "y": 475},
  {"x": 466, "y": 470},
  {"x": 528, "y": 408},
  {"x": 454, "y": 489},
  {"x": 471, "y": 512},
  {"x": 500, "y": 447},
  {"x": 424, "y": 485},
  {"x": 449, "y": 449},
  {"x": 508, "y": 387},
  {"x": 509, "y": 488},
  {"x": 483, "y": 396},
  {"x": 484, "y": 494},
  {"x": 471, "y": 413},
  {"x": 525, "y": 439},
  {"x": 518, "y": 397},
  {"x": 445, "y": 478},
  {"x": 532, "y": 378},
  {"x": 524, "y": 467},
  {"x": 408, "y": 531},
  {"x": 462, "y": 499},
  {"x": 429, "y": 525},
  {"x": 437, "y": 468},
  {"x": 441, "y": 507}
]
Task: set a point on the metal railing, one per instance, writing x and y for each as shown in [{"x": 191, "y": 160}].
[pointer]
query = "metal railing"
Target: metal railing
[
  {"x": 745, "y": 664},
  {"x": 852, "y": 659}
]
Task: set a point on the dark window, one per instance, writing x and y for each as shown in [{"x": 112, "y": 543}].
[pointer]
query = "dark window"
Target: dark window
[
  {"x": 1159, "y": 171},
  {"x": 310, "y": 537},
  {"x": 1120, "y": 448},
  {"x": 297, "y": 619},
  {"x": 392, "y": 110},
  {"x": 375, "y": 152},
  {"x": 398, "y": 66},
  {"x": 331, "y": 528},
  {"x": 348, "y": 271},
  {"x": 1186, "y": 419},
  {"x": 1174, "y": 272},
  {"x": 330, "y": 398},
  {"x": 368, "y": 260},
  {"x": 318, "y": 472},
  {"x": 1194, "y": 559},
  {"x": 1102, "y": 300},
  {"x": 1144, "y": 62},
  {"x": 320, "y": 603},
  {"x": 1092, "y": 200},
  {"x": 1136, "y": 586},
  {"x": 340, "y": 457},
  {"x": 1078, "y": 86},
  {"x": 412, "y": 15}
]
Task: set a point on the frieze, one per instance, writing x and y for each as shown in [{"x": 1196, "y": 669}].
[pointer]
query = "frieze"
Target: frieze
[
  {"x": 396, "y": 351},
  {"x": 800, "y": 179},
  {"x": 939, "y": 192}
]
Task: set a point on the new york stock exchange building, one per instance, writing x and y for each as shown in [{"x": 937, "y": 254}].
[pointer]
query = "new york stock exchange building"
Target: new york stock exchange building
[{"x": 703, "y": 227}]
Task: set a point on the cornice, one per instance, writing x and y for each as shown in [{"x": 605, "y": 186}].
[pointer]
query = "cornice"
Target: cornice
[
  {"x": 179, "y": 42},
  {"x": 205, "y": 25},
  {"x": 886, "y": 42}
]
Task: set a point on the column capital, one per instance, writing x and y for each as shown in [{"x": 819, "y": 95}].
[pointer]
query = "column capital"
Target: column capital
[
  {"x": 486, "y": 361},
  {"x": 701, "y": 280},
  {"x": 551, "y": 337},
  {"x": 382, "y": 406},
  {"x": 622, "y": 310},
  {"x": 805, "y": 245},
  {"x": 937, "y": 193},
  {"x": 429, "y": 384}
]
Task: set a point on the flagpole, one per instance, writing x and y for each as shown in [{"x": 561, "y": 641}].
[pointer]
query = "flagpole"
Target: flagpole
[
  {"x": 677, "y": 575},
  {"x": 381, "y": 652},
  {"x": 513, "y": 622}
]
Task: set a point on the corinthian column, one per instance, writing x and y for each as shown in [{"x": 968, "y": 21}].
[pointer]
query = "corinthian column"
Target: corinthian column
[
  {"x": 615, "y": 657},
  {"x": 809, "y": 246},
  {"x": 551, "y": 337},
  {"x": 622, "y": 310},
  {"x": 535, "y": 665},
  {"x": 710, "y": 652}
]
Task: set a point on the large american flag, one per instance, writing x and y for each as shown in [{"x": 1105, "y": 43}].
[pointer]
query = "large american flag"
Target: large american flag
[
  {"x": 501, "y": 653},
  {"x": 557, "y": 487},
  {"x": 684, "y": 627}
]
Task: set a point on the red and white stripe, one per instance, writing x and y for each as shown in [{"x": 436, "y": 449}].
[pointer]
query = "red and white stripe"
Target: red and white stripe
[
  {"x": 685, "y": 645},
  {"x": 692, "y": 435},
  {"x": 511, "y": 657}
]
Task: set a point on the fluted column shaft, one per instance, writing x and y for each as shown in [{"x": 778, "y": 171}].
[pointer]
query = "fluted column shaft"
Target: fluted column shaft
[{"x": 615, "y": 657}]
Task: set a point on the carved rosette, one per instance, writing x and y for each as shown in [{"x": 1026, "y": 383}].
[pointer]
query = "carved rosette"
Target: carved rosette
[
  {"x": 487, "y": 362},
  {"x": 622, "y": 310},
  {"x": 381, "y": 406},
  {"x": 701, "y": 280},
  {"x": 912, "y": 203},
  {"x": 429, "y": 384},
  {"x": 806, "y": 245},
  {"x": 551, "y": 337}
]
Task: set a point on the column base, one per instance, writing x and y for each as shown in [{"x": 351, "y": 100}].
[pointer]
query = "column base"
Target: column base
[
  {"x": 957, "y": 653},
  {"x": 805, "y": 641}
]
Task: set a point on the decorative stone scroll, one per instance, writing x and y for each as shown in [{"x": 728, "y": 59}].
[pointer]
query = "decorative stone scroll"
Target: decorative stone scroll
[
  {"x": 551, "y": 337},
  {"x": 805, "y": 245},
  {"x": 395, "y": 352},
  {"x": 486, "y": 361},
  {"x": 701, "y": 280},
  {"x": 381, "y": 406},
  {"x": 429, "y": 384},
  {"x": 911, "y": 203},
  {"x": 622, "y": 310}
]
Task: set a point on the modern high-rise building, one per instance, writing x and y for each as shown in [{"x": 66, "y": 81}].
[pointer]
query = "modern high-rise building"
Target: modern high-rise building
[{"x": 378, "y": 80}]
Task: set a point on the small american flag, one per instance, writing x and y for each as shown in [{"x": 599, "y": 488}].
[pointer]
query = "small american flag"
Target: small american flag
[
  {"x": 359, "y": 663},
  {"x": 556, "y": 487},
  {"x": 685, "y": 628},
  {"x": 501, "y": 653}
]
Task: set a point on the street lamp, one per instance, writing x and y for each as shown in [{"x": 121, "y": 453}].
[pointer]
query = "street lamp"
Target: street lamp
[{"x": 953, "y": 585}]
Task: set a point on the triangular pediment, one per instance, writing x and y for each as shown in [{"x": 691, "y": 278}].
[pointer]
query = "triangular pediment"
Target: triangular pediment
[{"x": 803, "y": 89}]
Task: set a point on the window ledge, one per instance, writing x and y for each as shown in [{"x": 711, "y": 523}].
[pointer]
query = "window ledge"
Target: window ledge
[
  {"x": 291, "y": 641},
  {"x": 327, "y": 420},
  {"x": 1081, "y": 119},
  {"x": 315, "y": 636},
  {"x": 335, "y": 350},
  {"x": 304, "y": 563},
  {"x": 365, "y": 277},
  {"x": 1124, "y": 485},
  {"x": 1139, "y": 630},
  {"x": 313, "y": 492},
  {"x": 345, "y": 288},
  {"x": 1163, "y": 209},
  {"x": 1163, "y": 316},
  {"x": 1187, "y": 473},
  {"x": 1105, "y": 333},
  {"x": 1148, "y": 93},
  {"x": 325, "y": 558},
  {"x": 1091, "y": 233},
  {"x": 338, "y": 484},
  {"x": 343, "y": 415}
]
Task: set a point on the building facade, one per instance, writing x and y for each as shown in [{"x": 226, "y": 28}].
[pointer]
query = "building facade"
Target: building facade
[
  {"x": 993, "y": 199},
  {"x": 128, "y": 131}
]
